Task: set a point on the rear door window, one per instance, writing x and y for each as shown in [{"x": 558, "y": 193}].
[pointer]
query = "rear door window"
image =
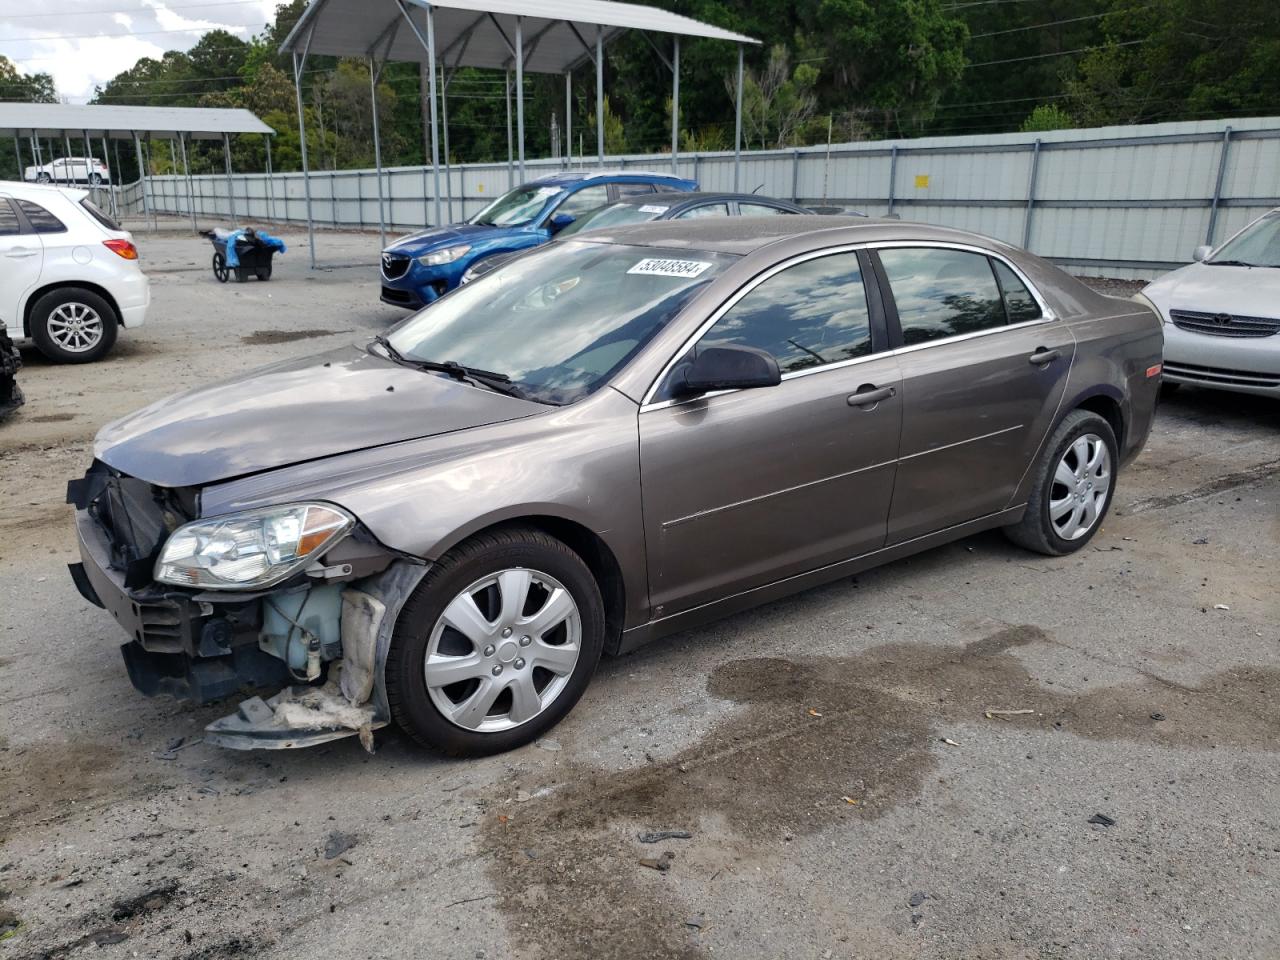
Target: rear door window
[
  {"x": 41, "y": 220},
  {"x": 808, "y": 315},
  {"x": 940, "y": 292},
  {"x": 1020, "y": 305},
  {"x": 759, "y": 210},
  {"x": 706, "y": 210},
  {"x": 633, "y": 189}
]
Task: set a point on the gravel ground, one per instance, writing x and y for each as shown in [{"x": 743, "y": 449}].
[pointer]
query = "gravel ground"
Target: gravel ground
[{"x": 846, "y": 794}]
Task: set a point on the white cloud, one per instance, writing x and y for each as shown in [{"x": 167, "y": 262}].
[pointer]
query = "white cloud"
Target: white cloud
[{"x": 83, "y": 46}]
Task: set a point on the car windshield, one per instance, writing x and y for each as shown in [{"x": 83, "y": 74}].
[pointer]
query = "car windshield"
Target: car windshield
[
  {"x": 615, "y": 215},
  {"x": 561, "y": 320},
  {"x": 516, "y": 207},
  {"x": 1257, "y": 246}
]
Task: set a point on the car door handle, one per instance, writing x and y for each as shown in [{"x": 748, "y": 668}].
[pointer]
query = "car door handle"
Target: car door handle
[
  {"x": 869, "y": 395},
  {"x": 20, "y": 253},
  {"x": 1043, "y": 356}
]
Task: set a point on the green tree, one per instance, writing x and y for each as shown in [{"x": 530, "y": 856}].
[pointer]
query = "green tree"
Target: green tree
[
  {"x": 1047, "y": 116},
  {"x": 777, "y": 101},
  {"x": 25, "y": 88}
]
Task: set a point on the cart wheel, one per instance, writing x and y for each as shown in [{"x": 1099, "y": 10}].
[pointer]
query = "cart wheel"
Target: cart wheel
[
  {"x": 264, "y": 273},
  {"x": 220, "y": 271}
]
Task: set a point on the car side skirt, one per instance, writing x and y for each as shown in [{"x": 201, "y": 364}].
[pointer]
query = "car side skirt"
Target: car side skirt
[{"x": 708, "y": 612}]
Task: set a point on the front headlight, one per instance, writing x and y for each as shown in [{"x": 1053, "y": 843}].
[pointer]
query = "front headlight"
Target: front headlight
[
  {"x": 248, "y": 550},
  {"x": 439, "y": 257},
  {"x": 1139, "y": 298}
]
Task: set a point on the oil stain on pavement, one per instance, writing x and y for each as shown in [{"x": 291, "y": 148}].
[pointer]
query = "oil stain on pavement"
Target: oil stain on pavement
[{"x": 816, "y": 742}]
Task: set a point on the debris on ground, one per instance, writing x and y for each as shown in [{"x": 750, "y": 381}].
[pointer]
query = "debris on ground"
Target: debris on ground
[
  {"x": 1102, "y": 820},
  {"x": 948, "y": 742},
  {"x": 338, "y": 844},
  {"x": 551, "y": 746},
  {"x": 657, "y": 836},
  {"x": 991, "y": 713},
  {"x": 523, "y": 796},
  {"x": 662, "y": 864},
  {"x": 1157, "y": 716},
  {"x": 696, "y": 921},
  {"x": 917, "y": 898},
  {"x": 814, "y": 713},
  {"x": 1200, "y": 541},
  {"x": 9, "y": 924},
  {"x": 1221, "y": 606},
  {"x": 852, "y": 801}
]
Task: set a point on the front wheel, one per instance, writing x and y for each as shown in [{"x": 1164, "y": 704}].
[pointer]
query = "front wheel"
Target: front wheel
[
  {"x": 1071, "y": 487},
  {"x": 496, "y": 645},
  {"x": 220, "y": 270},
  {"x": 44, "y": 178}
]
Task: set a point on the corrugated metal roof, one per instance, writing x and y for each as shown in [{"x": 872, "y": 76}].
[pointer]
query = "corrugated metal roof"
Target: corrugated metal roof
[
  {"x": 52, "y": 119},
  {"x": 558, "y": 34}
]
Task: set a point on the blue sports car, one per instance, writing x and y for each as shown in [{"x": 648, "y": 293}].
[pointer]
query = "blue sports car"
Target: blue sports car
[{"x": 420, "y": 268}]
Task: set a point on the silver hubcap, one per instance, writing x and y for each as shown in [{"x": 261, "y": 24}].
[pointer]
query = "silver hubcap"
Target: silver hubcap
[
  {"x": 76, "y": 327},
  {"x": 1081, "y": 485},
  {"x": 503, "y": 650}
]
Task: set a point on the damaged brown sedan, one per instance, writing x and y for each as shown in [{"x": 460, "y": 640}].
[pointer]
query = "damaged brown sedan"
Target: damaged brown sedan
[{"x": 610, "y": 439}]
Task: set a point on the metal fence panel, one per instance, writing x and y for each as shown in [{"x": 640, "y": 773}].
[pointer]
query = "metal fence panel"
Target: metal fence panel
[{"x": 1120, "y": 201}]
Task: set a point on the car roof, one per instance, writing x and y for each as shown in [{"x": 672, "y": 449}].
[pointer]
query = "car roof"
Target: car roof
[
  {"x": 566, "y": 177},
  {"x": 743, "y": 235},
  {"x": 674, "y": 197},
  {"x": 15, "y": 187}
]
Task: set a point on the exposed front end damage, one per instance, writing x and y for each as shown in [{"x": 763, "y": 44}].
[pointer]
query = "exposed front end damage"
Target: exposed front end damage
[{"x": 322, "y": 633}]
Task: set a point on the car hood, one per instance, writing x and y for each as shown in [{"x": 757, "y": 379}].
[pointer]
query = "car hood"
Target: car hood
[
  {"x": 424, "y": 241},
  {"x": 290, "y": 412},
  {"x": 1244, "y": 291}
]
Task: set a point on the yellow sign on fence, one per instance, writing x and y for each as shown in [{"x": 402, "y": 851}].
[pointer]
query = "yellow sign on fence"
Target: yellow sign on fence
[{"x": 922, "y": 181}]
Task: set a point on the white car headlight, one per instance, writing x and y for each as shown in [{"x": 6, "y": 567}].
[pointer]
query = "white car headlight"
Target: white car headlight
[
  {"x": 447, "y": 255},
  {"x": 249, "y": 550}
]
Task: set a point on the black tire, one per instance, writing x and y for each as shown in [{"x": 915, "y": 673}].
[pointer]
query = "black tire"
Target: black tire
[
  {"x": 513, "y": 547},
  {"x": 43, "y": 178},
  {"x": 1168, "y": 386},
  {"x": 95, "y": 179},
  {"x": 51, "y": 301},
  {"x": 264, "y": 273},
  {"x": 220, "y": 270},
  {"x": 1036, "y": 530}
]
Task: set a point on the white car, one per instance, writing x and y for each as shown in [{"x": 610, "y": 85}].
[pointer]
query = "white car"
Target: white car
[
  {"x": 71, "y": 277},
  {"x": 69, "y": 170},
  {"x": 1222, "y": 313}
]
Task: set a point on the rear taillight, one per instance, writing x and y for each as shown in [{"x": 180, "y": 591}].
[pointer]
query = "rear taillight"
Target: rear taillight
[{"x": 124, "y": 248}]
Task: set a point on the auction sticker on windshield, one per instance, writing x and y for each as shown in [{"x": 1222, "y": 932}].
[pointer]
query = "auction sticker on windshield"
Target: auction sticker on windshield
[
  {"x": 670, "y": 268},
  {"x": 653, "y": 208}
]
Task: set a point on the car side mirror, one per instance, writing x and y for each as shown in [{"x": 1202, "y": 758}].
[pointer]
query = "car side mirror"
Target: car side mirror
[
  {"x": 728, "y": 366},
  {"x": 1202, "y": 253},
  {"x": 561, "y": 220}
]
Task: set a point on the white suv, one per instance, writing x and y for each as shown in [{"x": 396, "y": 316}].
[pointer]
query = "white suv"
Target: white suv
[
  {"x": 70, "y": 274},
  {"x": 69, "y": 170}
]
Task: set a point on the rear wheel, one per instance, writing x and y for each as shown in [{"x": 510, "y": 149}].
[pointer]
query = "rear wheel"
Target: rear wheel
[
  {"x": 95, "y": 179},
  {"x": 1072, "y": 486},
  {"x": 71, "y": 325},
  {"x": 220, "y": 270},
  {"x": 43, "y": 178},
  {"x": 496, "y": 645}
]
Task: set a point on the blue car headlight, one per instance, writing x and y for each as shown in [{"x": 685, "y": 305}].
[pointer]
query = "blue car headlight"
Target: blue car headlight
[{"x": 440, "y": 257}]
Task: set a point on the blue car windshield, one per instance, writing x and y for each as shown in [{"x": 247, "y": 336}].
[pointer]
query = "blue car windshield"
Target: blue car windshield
[
  {"x": 562, "y": 319},
  {"x": 516, "y": 207}
]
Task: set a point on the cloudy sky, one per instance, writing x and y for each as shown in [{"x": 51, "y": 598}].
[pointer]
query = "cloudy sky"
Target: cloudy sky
[{"x": 86, "y": 42}]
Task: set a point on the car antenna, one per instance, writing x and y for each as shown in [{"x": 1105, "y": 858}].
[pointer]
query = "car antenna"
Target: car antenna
[{"x": 757, "y": 189}]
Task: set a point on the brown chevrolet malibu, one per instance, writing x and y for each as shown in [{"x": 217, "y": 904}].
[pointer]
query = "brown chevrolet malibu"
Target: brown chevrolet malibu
[{"x": 607, "y": 440}]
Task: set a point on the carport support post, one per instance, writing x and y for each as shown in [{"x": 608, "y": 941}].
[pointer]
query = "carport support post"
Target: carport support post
[
  {"x": 675, "y": 107},
  {"x": 115, "y": 143},
  {"x": 66, "y": 161},
  {"x": 271, "y": 187},
  {"x": 511, "y": 159},
  {"x": 142, "y": 174},
  {"x": 88, "y": 162},
  {"x": 302, "y": 143},
  {"x": 186, "y": 169},
  {"x": 520, "y": 90},
  {"x": 231, "y": 194},
  {"x": 1217, "y": 188},
  {"x": 568, "y": 120},
  {"x": 1031, "y": 194},
  {"x": 377, "y": 149},
  {"x": 444, "y": 123},
  {"x": 111, "y": 177},
  {"x": 599, "y": 95},
  {"x": 17, "y": 156},
  {"x": 429, "y": 44},
  {"x": 737, "y": 129}
]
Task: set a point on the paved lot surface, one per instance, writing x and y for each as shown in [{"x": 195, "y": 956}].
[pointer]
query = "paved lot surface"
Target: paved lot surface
[{"x": 830, "y": 754}]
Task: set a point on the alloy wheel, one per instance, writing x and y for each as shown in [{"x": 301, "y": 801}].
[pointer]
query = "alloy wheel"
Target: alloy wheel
[
  {"x": 75, "y": 327},
  {"x": 1081, "y": 485},
  {"x": 503, "y": 650}
]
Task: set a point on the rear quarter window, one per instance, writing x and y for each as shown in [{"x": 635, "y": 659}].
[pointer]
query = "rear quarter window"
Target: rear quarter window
[
  {"x": 9, "y": 222},
  {"x": 98, "y": 214},
  {"x": 41, "y": 220}
]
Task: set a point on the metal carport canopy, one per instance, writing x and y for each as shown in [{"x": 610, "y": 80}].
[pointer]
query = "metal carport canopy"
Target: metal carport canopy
[
  {"x": 122, "y": 122},
  {"x": 540, "y": 36},
  {"x": 555, "y": 40}
]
